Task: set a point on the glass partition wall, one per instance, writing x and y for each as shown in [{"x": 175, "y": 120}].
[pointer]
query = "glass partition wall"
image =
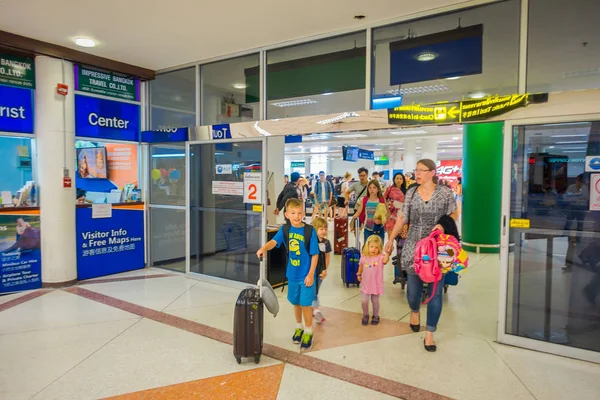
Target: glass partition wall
[{"x": 553, "y": 286}]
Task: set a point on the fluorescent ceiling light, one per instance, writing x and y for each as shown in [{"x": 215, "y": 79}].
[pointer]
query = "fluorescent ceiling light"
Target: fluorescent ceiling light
[
  {"x": 173, "y": 155},
  {"x": 219, "y": 154},
  {"x": 569, "y": 136},
  {"x": 455, "y": 138},
  {"x": 409, "y": 132},
  {"x": 420, "y": 90},
  {"x": 573, "y": 151},
  {"x": 351, "y": 136},
  {"x": 573, "y": 142},
  {"x": 85, "y": 42},
  {"x": 442, "y": 151},
  {"x": 240, "y": 85},
  {"x": 478, "y": 95},
  {"x": 551, "y": 147},
  {"x": 294, "y": 103},
  {"x": 338, "y": 119},
  {"x": 453, "y": 78},
  {"x": 426, "y": 56}
]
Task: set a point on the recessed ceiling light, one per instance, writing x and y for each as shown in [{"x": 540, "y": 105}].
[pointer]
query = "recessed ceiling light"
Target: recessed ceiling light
[
  {"x": 478, "y": 95},
  {"x": 426, "y": 56},
  {"x": 240, "y": 85},
  {"x": 453, "y": 78},
  {"x": 409, "y": 132},
  {"x": 85, "y": 42},
  {"x": 455, "y": 138},
  {"x": 551, "y": 147}
]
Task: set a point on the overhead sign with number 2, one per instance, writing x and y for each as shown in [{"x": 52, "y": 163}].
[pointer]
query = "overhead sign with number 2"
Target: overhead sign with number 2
[{"x": 253, "y": 187}]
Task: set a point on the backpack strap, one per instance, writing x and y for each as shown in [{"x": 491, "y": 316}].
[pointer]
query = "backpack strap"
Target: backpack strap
[
  {"x": 286, "y": 235},
  {"x": 308, "y": 230}
]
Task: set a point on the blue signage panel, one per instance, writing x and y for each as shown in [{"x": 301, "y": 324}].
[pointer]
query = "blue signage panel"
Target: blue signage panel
[
  {"x": 366, "y": 154},
  {"x": 108, "y": 246},
  {"x": 293, "y": 138},
  {"x": 106, "y": 119},
  {"x": 221, "y": 131},
  {"x": 165, "y": 135},
  {"x": 20, "y": 256},
  {"x": 16, "y": 110}
]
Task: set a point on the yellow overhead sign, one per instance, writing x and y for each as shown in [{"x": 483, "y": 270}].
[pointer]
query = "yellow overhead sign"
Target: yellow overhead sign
[{"x": 455, "y": 112}]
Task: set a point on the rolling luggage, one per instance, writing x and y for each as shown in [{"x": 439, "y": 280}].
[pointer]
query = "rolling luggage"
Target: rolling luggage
[
  {"x": 248, "y": 322},
  {"x": 248, "y": 325},
  {"x": 400, "y": 276},
  {"x": 340, "y": 234},
  {"x": 350, "y": 260}
]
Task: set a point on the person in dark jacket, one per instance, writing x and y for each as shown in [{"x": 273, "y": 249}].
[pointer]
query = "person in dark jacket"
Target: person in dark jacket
[{"x": 290, "y": 191}]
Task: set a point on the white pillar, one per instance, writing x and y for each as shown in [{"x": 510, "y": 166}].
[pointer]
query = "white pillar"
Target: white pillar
[
  {"x": 55, "y": 143},
  {"x": 275, "y": 166},
  {"x": 429, "y": 149},
  {"x": 410, "y": 155}
]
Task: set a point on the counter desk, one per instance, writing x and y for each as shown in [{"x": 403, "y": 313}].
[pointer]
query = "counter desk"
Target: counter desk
[{"x": 110, "y": 239}]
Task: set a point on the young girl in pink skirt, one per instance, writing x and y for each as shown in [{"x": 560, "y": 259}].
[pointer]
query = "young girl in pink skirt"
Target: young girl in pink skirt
[{"x": 370, "y": 276}]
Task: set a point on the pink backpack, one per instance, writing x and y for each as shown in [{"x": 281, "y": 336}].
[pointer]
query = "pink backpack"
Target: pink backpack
[{"x": 426, "y": 261}]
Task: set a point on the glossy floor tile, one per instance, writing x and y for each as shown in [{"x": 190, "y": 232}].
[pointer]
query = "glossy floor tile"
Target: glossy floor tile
[
  {"x": 146, "y": 356},
  {"x": 298, "y": 383},
  {"x": 462, "y": 368},
  {"x": 33, "y": 360},
  {"x": 9, "y": 297},
  {"x": 204, "y": 294},
  {"x": 156, "y": 294},
  {"x": 57, "y": 309}
]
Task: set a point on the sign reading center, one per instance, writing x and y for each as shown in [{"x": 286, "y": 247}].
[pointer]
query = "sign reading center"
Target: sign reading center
[
  {"x": 106, "y": 119},
  {"x": 253, "y": 187}
]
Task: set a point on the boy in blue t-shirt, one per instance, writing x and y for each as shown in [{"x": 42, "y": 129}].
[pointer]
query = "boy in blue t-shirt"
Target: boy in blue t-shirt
[{"x": 301, "y": 268}]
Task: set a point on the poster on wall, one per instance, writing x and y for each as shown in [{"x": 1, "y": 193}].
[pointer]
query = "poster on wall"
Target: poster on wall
[
  {"x": 109, "y": 245},
  {"x": 595, "y": 192},
  {"x": 20, "y": 256},
  {"x": 449, "y": 170},
  {"x": 122, "y": 164}
]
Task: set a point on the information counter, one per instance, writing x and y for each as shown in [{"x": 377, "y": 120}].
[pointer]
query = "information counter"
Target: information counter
[
  {"x": 20, "y": 254},
  {"x": 110, "y": 239}
]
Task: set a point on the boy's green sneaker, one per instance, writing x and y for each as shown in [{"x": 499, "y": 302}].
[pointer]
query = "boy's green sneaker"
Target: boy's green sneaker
[
  {"x": 307, "y": 340},
  {"x": 297, "y": 338}
]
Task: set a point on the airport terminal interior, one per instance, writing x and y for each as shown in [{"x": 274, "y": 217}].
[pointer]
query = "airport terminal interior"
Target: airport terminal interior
[{"x": 148, "y": 150}]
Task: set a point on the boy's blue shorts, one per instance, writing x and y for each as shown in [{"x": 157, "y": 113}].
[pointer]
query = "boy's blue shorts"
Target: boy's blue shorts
[{"x": 299, "y": 294}]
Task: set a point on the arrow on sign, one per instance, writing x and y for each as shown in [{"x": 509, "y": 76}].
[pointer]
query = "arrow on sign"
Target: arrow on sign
[{"x": 452, "y": 112}]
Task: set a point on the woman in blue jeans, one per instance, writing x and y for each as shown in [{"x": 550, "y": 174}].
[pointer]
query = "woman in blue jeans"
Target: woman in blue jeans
[{"x": 424, "y": 205}]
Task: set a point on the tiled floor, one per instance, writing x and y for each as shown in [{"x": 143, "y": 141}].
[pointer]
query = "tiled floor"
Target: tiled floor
[{"x": 160, "y": 335}]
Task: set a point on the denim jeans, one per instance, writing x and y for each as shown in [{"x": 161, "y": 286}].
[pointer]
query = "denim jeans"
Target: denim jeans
[{"x": 434, "y": 307}]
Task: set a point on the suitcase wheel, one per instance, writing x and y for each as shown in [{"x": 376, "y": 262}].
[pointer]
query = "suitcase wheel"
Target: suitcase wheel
[
  {"x": 239, "y": 360},
  {"x": 445, "y": 288},
  {"x": 347, "y": 285},
  {"x": 256, "y": 359}
]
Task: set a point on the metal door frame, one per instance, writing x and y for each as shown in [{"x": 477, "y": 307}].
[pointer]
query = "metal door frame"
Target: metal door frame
[
  {"x": 503, "y": 337},
  {"x": 207, "y": 278}
]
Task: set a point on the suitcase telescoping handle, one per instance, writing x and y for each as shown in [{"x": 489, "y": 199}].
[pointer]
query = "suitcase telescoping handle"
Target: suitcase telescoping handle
[
  {"x": 356, "y": 233},
  {"x": 261, "y": 276}
]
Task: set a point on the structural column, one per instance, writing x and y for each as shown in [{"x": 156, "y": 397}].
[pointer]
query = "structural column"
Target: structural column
[
  {"x": 482, "y": 186},
  {"x": 275, "y": 167},
  {"x": 410, "y": 155},
  {"x": 429, "y": 149},
  {"x": 55, "y": 146}
]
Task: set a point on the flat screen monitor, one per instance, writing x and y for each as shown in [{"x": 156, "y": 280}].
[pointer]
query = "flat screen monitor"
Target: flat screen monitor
[
  {"x": 91, "y": 163},
  {"x": 350, "y": 153}
]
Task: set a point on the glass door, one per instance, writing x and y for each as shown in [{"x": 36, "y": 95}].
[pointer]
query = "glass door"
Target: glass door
[
  {"x": 551, "y": 239},
  {"x": 225, "y": 209}
]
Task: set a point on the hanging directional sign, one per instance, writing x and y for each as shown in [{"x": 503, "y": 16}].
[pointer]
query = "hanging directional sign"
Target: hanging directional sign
[
  {"x": 455, "y": 112},
  {"x": 418, "y": 114}
]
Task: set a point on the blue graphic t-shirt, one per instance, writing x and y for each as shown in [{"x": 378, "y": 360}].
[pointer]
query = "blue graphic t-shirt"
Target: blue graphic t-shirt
[{"x": 298, "y": 260}]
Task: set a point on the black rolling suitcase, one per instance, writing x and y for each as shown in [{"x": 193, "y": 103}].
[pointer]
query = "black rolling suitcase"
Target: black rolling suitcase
[
  {"x": 400, "y": 275},
  {"x": 248, "y": 325}
]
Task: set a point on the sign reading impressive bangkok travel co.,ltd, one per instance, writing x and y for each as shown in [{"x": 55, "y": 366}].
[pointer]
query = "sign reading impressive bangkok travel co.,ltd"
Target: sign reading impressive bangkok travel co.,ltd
[
  {"x": 17, "y": 71},
  {"x": 106, "y": 119},
  {"x": 106, "y": 84},
  {"x": 457, "y": 112},
  {"x": 16, "y": 110}
]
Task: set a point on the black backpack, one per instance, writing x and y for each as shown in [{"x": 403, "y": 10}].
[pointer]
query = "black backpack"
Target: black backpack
[{"x": 308, "y": 230}]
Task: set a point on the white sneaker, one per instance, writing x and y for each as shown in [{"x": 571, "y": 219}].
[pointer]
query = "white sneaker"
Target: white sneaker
[{"x": 319, "y": 318}]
